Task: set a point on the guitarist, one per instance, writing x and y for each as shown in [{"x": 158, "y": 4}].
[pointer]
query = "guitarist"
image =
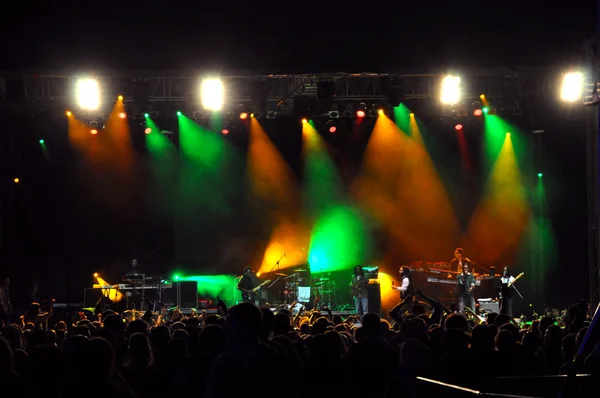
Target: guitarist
[
  {"x": 466, "y": 285},
  {"x": 506, "y": 292},
  {"x": 359, "y": 291},
  {"x": 247, "y": 285}
]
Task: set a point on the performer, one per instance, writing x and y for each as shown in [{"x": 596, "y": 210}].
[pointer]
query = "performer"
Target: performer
[
  {"x": 459, "y": 260},
  {"x": 407, "y": 287},
  {"x": 5, "y": 304},
  {"x": 506, "y": 292},
  {"x": 248, "y": 285},
  {"x": 359, "y": 291},
  {"x": 466, "y": 285}
]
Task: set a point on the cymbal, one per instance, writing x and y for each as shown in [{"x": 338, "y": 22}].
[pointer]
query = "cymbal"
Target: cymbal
[{"x": 300, "y": 270}]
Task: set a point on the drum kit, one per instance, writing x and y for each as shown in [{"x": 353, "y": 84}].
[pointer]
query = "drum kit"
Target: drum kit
[{"x": 299, "y": 287}]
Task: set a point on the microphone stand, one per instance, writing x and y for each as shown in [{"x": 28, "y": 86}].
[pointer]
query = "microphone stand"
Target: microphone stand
[
  {"x": 517, "y": 290},
  {"x": 273, "y": 269}
]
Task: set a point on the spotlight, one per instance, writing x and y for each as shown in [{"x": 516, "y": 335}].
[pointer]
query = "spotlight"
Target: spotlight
[
  {"x": 94, "y": 124},
  {"x": 361, "y": 110},
  {"x": 450, "y": 90},
  {"x": 122, "y": 115},
  {"x": 16, "y": 180},
  {"x": 178, "y": 113},
  {"x": 69, "y": 114},
  {"x": 540, "y": 175},
  {"x": 271, "y": 115},
  {"x": 332, "y": 129},
  {"x": 95, "y": 275},
  {"x": 508, "y": 134},
  {"x": 458, "y": 127},
  {"x": 42, "y": 142},
  {"x": 476, "y": 106},
  {"x": 571, "y": 89},
  {"x": 373, "y": 113},
  {"x": 146, "y": 115},
  {"x": 87, "y": 94},
  {"x": 482, "y": 96},
  {"x": 412, "y": 114},
  {"x": 334, "y": 114},
  {"x": 244, "y": 115},
  {"x": 148, "y": 130},
  {"x": 258, "y": 115},
  {"x": 304, "y": 121},
  {"x": 224, "y": 131},
  {"x": 93, "y": 131},
  {"x": 120, "y": 97},
  {"x": 212, "y": 94}
]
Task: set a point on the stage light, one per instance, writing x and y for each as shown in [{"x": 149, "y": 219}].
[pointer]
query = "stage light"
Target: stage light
[
  {"x": 244, "y": 115},
  {"x": 476, "y": 106},
  {"x": 42, "y": 142},
  {"x": 271, "y": 115},
  {"x": 93, "y": 131},
  {"x": 486, "y": 110},
  {"x": 120, "y": 97},
  {"x": 122, "y": 115},
  {"x": 332, "y": 129},
  {"x": 212, "y": 94},
  {"x": 96, "y": 275},
  {"x": 540, "y": 175},
  {"x": 450, "y": 90},
  {"x": 380, "y": 111},
  {"x": 224, "y": 131},
  {"x": 458, "y": 127},
  {"x": 412, "y": 114},
  {"x": 178, "y": 113},
  {"x": 146, "y": 115},
  {"x": 16, "y": 180},
  {"x": 69, "y": 114},
  {"x": 361, "y": 110},
  {"x": 571, "y": 89},
  {"x": 87, "y": 94},
  {"x": 304, "y": 121},
  {"x": 508, "y": 134},
  {"x": 148, "y": 130}
]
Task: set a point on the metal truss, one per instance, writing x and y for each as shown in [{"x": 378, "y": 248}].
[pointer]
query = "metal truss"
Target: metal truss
[{"x": 154, "y": 91}]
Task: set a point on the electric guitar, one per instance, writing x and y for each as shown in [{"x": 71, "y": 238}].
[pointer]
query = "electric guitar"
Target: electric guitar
[
  {"x": 249, "y": 293},
  {"x": 508, "y": 285},
  {"x": 359, "y": 285},
  {"x": 516, "y": 278}
]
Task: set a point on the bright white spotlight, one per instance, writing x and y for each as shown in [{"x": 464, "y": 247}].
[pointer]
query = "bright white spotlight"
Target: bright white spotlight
[
  {"x": 212, "y": 94},
  {"x": 571, "y": 89},
  {"x": 88, "y": 94},
  {"x": 450, "y": 90}
]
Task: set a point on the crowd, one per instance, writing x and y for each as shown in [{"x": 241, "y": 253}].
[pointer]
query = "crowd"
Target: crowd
[{"x": 251, "y": 352}]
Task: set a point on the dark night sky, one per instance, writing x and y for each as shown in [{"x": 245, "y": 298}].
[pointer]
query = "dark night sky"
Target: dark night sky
[{"x": 295, "y": 36}]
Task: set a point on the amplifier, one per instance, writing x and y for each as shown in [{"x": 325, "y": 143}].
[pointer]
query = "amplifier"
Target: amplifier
[{"x": 488, "y": 306}]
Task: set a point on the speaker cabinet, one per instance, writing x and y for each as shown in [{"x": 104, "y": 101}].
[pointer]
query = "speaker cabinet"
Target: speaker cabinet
[
  {"x": 374, "y": 291},
  {"x": 187, "y": 294}
]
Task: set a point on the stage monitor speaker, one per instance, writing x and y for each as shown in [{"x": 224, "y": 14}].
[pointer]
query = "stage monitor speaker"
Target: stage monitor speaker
[
  {"x": 187, "y": 294},
  {"x": 489, "y": 306},
  {"x": 374, "y": 291}
]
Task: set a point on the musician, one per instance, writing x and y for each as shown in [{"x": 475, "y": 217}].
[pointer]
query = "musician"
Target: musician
[
  {"x": 459, "y": 260},
  {"x": 466, "y": 286},
  {"x": 406, "y": 288},
  {"x": 5, "y": 304},
  {"x": 506, "y": 292},
  {"x": 359, "y": 291},
  {"x": 247, "y": 284}
]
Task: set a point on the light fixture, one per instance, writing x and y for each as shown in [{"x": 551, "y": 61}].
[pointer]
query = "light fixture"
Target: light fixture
[{"x": 450, "y": 94}]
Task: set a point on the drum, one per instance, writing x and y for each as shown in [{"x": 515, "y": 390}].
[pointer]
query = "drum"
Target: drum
[{"x": 303, "y": 294}]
